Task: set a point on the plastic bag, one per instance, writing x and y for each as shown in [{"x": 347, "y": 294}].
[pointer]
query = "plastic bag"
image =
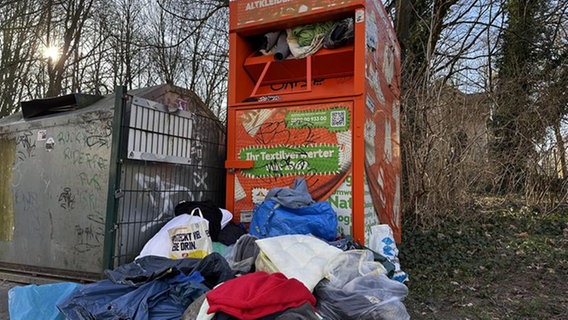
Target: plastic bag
[
  {"x": 348, "y": 243},
  {"x": 382, "y": 241},
  {"x": 357, "y": 288},
  {"x": 160, "y": 243},
  {"x": 351, "y": 264},
  {"x": 270, "y": 219},
  {"x": 39, "y": 302},
  {"x": 191, "y": 241},
  {"x": 369, "y": 297}
]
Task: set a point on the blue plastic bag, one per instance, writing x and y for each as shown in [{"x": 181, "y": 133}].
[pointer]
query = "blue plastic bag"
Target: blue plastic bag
[
  {"x": 39, "y": 302},
  {"x": 271, "y": 219}
]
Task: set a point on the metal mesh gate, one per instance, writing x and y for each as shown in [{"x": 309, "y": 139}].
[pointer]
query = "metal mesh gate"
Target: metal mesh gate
[{"x": 168, "y": 156}]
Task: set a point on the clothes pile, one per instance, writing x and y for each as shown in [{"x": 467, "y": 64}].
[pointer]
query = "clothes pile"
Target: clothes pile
[
  {"x": 284, "y": 273},
  {"x": 302, "y": 41}
]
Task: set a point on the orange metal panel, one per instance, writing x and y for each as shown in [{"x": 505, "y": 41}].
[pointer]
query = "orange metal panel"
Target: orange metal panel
[
  {"x": 382, "y": 118},
  {"x": 289, "y": 133},
  {"x": 358, "y": 213},
  {"x": 238, "y": 164},
  {"x": 262, "y": 13},
  {"x": 287, "y": 141}
]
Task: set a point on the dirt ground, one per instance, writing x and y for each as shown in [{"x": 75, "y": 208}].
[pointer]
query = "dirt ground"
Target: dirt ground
[
  {"x": 5, "y": 286},
  {"x": 499, "y": 263}
]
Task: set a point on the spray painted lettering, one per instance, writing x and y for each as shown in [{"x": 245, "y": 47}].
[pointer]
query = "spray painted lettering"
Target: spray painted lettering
[
  {"x": 25, "y": 140},
  {"x": 91, "y": 235},
  {"x": 196, "y": 152},
  {"x": 90, "y": 198},
  {"x": 92, "y": 137},
  {"x": 66, "y": 199},
  {"x": 291, "y": 85},
  {"x": 277, "y": 131},
  {"x": 161, "y": 198},
  {"x": 90, "y": 180},
  {"x": 92, "y": 160},
  {"x": 27, "y": 199}
]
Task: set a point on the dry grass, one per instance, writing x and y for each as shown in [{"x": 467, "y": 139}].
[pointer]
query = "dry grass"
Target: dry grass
[{"x": 500, "y": 261}]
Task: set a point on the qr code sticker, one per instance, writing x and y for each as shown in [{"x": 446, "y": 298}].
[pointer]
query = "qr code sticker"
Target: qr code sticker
[{"x": 338, "y": 118}]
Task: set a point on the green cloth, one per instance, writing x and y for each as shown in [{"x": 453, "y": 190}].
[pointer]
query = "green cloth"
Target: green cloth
[
  {"x": 219, "y": 248},
  {"x": 306, "y": 33}
]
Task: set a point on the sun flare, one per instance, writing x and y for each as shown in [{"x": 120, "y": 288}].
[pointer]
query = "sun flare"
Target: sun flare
[{"x": 51, "y": 53}]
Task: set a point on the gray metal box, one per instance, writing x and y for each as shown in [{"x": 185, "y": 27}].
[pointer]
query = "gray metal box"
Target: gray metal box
[{"x": 55, "y": 172}]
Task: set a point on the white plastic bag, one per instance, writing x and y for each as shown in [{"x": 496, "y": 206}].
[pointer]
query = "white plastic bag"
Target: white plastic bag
[
  {"x": 351, "y": 264},
  {"x": 160, "y": 244},
  {"x": 192, "y": 240},
  {"x": 382, "y": 241}
]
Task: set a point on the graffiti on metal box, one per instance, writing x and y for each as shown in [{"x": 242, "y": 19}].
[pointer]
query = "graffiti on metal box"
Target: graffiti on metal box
[
  {"x": 91, "y": 235},
  {"x": 160, "y": 195},
  {"x": 25, "y": 142},
  {"x": 66, "y": 199}
]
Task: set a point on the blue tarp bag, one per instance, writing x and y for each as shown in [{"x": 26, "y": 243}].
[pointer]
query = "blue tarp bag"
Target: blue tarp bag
[
  {"x": 39, "y": 302},
  {"x": 272, "y": 219}
]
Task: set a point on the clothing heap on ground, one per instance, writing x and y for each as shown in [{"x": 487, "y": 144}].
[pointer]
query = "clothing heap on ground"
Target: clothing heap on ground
[{"x": 250, "y": 275}]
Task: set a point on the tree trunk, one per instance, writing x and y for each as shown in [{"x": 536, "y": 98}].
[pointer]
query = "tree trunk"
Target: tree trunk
[{"x": 561, "y": 148}]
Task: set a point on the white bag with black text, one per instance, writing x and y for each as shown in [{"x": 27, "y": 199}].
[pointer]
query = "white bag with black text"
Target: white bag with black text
[{"x": 192, "y": 240}]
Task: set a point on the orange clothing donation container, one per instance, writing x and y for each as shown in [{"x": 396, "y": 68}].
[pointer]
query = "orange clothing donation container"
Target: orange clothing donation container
[{"x": 314, "y": 91}]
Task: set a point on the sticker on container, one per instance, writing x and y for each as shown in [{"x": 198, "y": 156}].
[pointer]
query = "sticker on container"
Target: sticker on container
[
  {"x": 344, "y": 141},
  {"x": 246, "y": 216},
  {"x": 278, "y": 161},
  {"x": 41, "y": 135},
  {"x": 334, "y": 119},
  {"x": 239, "y": 190},
  {"x": 370, "y": 133},
  {"x": 359, "y": 16},
  {"x": 258, "y": 195},
  {"x": 49, "y": 144}
]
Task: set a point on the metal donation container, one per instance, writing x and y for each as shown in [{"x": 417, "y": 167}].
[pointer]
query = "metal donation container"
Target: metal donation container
[
  {"x": 314, "y": 92},
  {"x": 87, "y": 180}
]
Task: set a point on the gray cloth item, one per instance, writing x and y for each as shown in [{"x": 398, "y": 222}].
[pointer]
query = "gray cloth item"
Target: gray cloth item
[
  {"x": 244, "y": 254},
  {"x": 294, "y": 197},
  {"x": 269, "y": 40},
  {"x": 192, "y": 310},
  {"x": 246, "y": 247},
  {"x": 281, "y": 49},
  {"x": 275, "y": 43}
]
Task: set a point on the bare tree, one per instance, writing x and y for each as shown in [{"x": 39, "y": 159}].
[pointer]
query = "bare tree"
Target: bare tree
[
  {"x": 554, "y": 89},
  {"x": 65, "y": 21},
  {"x": 516, "y": 124},
  {"x": 105, "y": 43},
  {"x": 444, "y": 105},
  {"x": 19, "y": 39},
  {"x": 200, "y": 48}
]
